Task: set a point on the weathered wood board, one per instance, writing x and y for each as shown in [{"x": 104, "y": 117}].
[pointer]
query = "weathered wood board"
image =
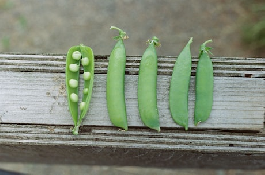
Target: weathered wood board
[
  {"x": 33, "y": 97},
  {"x": 35, "y": 121},
  {"x": 34, "y": 92},
  {"x": 136, "y": 147}
]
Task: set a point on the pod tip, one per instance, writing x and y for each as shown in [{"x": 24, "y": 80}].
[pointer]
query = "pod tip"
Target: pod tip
[
  {"x": 190, "y": 41},
  {"x": 196, "y": 123},
  {"x": 157, "y": 128},
  {"x": 123, "y": 128}
]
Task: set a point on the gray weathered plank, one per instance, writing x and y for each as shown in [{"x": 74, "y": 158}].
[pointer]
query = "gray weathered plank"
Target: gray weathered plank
[
  {"x": 37, "y": 82},
  {"x": 235, "y": 67},
  {"x": 39, "y": 98},
  {"x": 34, "y": 120},
  {"x": 137, "y": 147}
]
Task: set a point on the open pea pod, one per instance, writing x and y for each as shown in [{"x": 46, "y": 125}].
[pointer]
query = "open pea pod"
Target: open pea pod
[{"x": 77, "y": 56}]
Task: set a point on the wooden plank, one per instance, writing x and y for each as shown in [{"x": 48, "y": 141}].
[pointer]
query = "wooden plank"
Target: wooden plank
[
  {"x": 222, "y": 110},
  {"x": 136, "y": 147},
  {"x": 39, "y": 98},
  {"x": 231, "y": 67},
  {"x": 35, "y": 122}
]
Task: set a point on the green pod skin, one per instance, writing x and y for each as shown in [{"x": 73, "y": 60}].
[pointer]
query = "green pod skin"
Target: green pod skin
[
  {"x": 73, "y": 106},
  {"x": 147, "y": 83},
  {"x": 179, "y": 87},
  {"x": 74, "y": 73},
  {"x": 203, "y": 86},
  {"x": 115, "y": 91}
]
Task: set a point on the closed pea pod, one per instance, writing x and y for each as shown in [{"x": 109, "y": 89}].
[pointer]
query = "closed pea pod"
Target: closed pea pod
[
  {"x": 147, "y": 86},
  {"x": 203, "y": 86},
  {"x": 179, "y": 87},
  {"x": 76, "y": 55},
  {"x": 115, "y": 91}
]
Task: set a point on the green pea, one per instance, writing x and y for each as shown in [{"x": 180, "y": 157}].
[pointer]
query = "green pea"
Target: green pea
[
  {"x": 74, "y": 56},
  {"x": 203, "y": 86},
  {"x": 82, "y": 106},
  {"x": 74, "y": 67},
  {"x": 73, "y": 83},
  {"x": 179, "y": 87},
  {"x": 115, "y": 82},
  {"x": 74, "y": 97},
  {"x": 87, "y": 75},
  {"x": 86, "y": 91},
  {"x": 85, "y": 61},
  {"x": 147, "y": 83}
]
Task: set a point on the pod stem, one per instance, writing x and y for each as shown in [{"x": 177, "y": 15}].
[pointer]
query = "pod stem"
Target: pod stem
[
  {"x": 75, "y": 130},
  {"x": 122, "y": 34},
  {"x": 206, "y": 49},
  {"x": 154, "y": 41}
]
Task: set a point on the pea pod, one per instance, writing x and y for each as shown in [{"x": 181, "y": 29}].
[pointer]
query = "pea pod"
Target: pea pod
[
  {"x": 115, "y": 82},
  {"x": 179, "y": 87},
  {"x": 76, "y": 55},
  {"x": 147, "y": 83},
  {"x": 203, "y": 86}
]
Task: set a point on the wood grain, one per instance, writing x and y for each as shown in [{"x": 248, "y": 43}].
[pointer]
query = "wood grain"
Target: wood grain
[
  {"x": 36, "y": 90},
  {"x": 35, "y": 122},
  {"x": 137, "y": 147},
  {"x": 39, "y": 98}
]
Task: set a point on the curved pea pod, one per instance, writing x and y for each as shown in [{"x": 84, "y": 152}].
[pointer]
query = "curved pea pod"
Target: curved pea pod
[
  {"x": 179, "y": 87},
  {"x": 72, "y": 77},
  {"x": 147, "y": 86},
  {"x": 115, "y": 92},
  {"x": 76, "y": 55},
  {"x": 203, "y": 86},
  {"x": 88, "y": 76}
]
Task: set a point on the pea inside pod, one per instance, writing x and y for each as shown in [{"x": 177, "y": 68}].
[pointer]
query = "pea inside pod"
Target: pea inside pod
[
  {"x": 147, "y": 83},
  {"x": 76, "y": 55}
]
